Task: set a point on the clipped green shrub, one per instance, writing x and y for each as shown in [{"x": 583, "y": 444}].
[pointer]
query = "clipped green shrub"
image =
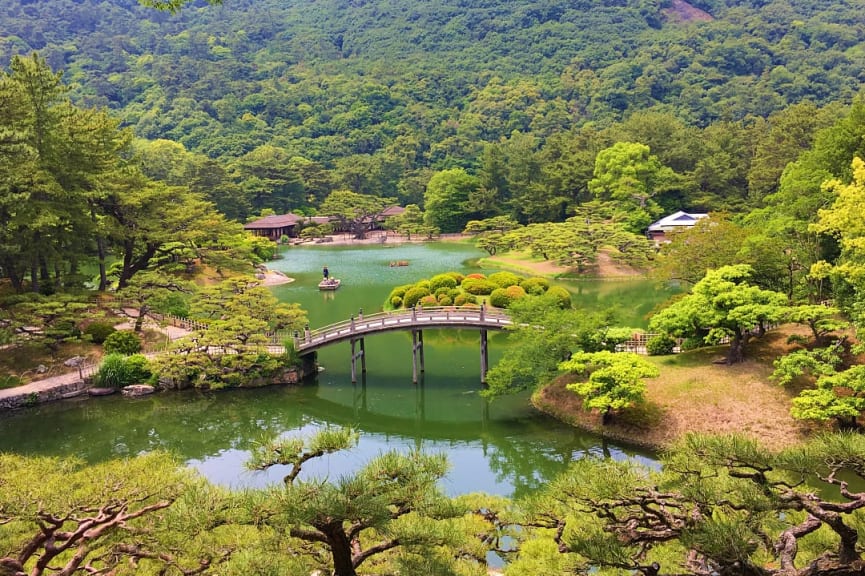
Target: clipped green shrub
[
  {"x": 499, "y": 298},
  {"x": 440, "y": 281},
  {"x": 660, "y": 345},
  {"x": 139, "y": 368},
  {"x": 413, "y": 295},
  {"x": 505, "y": 279},
  {"x": 444, "y": 300},
  {"x": 535, "y": 285},
  {"x": 478, "y": 286},
  {"x": 515, "y": 292},
  {"x": 442, "y": 292},
  {"x": 122, "y": 342},
  {"x": 456, "y": 276},
  {"x": 562, "y": 296},
  {"x": 396, "y": 302},
  {"x": 99, "y": 331},
  {"x": 428, "y": 300},
  {"x": 460, "y": 300},
  {"x": 400, "y": 291}
]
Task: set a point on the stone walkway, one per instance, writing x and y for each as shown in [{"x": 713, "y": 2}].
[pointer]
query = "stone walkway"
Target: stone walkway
[{"x": 72, "y": 383}]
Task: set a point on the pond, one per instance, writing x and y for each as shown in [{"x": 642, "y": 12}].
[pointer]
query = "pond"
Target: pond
[{"x": 503, "y": 447}]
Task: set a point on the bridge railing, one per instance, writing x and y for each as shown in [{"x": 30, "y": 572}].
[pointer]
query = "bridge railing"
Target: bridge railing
[{"x": 402, "y": 318}]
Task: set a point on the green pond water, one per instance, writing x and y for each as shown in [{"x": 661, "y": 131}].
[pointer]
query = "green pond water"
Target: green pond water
[{"x": 504, "y": 447}]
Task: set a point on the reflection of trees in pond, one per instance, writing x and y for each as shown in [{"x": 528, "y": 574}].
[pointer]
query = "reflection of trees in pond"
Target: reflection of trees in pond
[{"x": 192, "y": 425}]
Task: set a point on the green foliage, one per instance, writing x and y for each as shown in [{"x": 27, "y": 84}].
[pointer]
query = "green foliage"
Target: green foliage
[
  {"x": 505, "y": 279},
  {"x": 660, "y": 345},
  {"x": 396, "y": 302},
  {"x": 122, "y": 342},
  {"x": 561, "y": 296},
  {"x": 442, "y": 281},
  {"x": 720, "y": 305},
  {"x": 535, "y": 285},
  {"x": 68, "y": 514},
  {"x": 9, "y": 381},
  {"x": 394, "y": 501},
  {"x": 499, "y": 298},
  {"x": 429, "y": 300},
  {"x": 614, "y": 379},
  {"x": 725, "y": 499},
  {"x": 119, "y": 370},
  {"x": 414, "y": 295},
  {"x": 478, "y": 286},
  {"x": 99, "y": 331}
]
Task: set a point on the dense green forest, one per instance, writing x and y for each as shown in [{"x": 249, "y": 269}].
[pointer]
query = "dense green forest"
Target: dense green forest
[{"x": 296, "y": 99}]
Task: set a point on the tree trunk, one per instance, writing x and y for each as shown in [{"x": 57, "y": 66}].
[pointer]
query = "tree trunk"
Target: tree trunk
[
  {"x": 736, "y": 353},
  {"x": 340, "y": 549},
  {"x": 100, "y": 254}
]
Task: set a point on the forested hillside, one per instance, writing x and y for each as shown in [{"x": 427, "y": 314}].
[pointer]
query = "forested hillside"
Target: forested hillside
[{"x": 424, "y": 84}]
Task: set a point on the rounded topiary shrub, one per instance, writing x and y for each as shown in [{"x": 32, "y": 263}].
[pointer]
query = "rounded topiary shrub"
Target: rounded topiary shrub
[
  {"x": 660, "y": 345},
  {"x": 456, "y": 276},
  {"x": 515, "y": 292},
  {"x": 499, "y": 298},
  {"x": 460, "y": 300},
  {"x": 445, "y": 300},
  {"x": 476, "y": 276},
  {"x": 505, "y": 279},
  {"x": 400, "y": 291},
  {"x": 535, "y": 285},
  {"x": 442, "y": 292},
  {"x": 429, "y": 301},
  {"x": 139, "y": 368},
  {"x": 440, "y": 281},
  {"x": 413, "y": 295},
  {"x": 122, "y": 342},
  {"x": 478, "y": 286},
  {"x": 99, "y": 331},
  {"x": 396, "y": 302},
  {"x": 562, "y": 296}
]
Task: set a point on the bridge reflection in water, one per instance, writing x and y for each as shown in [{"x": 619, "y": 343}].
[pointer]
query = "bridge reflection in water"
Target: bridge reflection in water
[{"x": 415, "y": 319}]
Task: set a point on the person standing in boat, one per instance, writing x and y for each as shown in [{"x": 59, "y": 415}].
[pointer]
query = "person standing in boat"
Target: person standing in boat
[{"x": 325, "y": 272}]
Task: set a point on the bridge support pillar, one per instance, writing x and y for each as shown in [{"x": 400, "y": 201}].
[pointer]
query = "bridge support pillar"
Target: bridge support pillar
[
  {"x": 416, "y": 353},
  {"x": 485, "y": 358},
  {"x": 355, "y": 356}
]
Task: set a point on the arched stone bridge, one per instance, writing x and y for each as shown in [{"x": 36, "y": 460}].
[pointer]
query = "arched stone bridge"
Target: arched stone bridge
[{"x": 414, "y": 319}]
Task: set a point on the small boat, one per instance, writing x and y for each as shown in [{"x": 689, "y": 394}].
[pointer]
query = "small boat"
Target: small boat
[{"x": 329, "y": 284}]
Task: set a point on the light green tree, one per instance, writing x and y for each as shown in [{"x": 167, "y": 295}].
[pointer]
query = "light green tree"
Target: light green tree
[
  {"x": 446, "y": 201},
  {"x": 627, "y": 173},
  {"x": 613, "y": 380},
  {"x": 723, "y": 305}
]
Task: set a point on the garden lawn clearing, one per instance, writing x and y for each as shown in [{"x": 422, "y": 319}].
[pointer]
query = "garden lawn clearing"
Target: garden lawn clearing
[{"x": 696, "y": 394}]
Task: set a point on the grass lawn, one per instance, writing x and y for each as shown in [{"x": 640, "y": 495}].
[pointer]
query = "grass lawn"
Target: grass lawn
[{"x": 694, "y": 393}]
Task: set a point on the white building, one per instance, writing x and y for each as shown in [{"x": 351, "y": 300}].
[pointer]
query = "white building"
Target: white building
[{"x": 659, "y": 230}]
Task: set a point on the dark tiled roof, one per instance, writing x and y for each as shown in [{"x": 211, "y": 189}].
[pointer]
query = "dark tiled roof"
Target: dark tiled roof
[{"x": 275, "y": 221}]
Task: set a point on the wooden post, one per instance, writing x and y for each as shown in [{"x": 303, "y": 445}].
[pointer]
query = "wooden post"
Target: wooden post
[
  {"x": 484, "y": 355},
  {"x": 353, "y": 363},
  {"x": 362, "y": 357},
  {"x": 420, "y": 344},
  {"x": 416, "y": 344}
]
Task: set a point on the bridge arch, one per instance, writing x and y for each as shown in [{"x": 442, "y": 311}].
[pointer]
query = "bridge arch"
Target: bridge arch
[{"x": 415, "y": 319}]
